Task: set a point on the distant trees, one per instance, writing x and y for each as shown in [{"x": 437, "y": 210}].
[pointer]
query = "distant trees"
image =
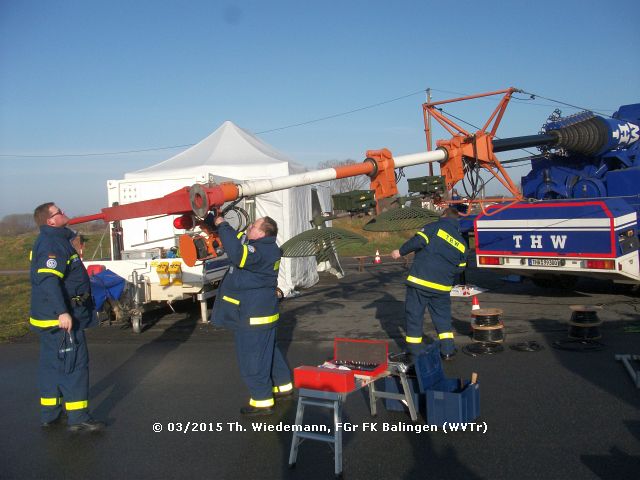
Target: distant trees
[
  {"x": 17, "y": 223},
  {"x": 344, "y": 184}
]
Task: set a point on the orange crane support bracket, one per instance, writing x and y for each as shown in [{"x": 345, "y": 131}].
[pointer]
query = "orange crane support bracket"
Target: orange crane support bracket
[
  {"x": 465, "y": 147},
  {"x": 383, "y": 177}
]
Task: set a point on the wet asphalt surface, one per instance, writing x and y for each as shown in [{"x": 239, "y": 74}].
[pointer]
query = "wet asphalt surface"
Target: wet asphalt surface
[{"x": 549, "y": 414}]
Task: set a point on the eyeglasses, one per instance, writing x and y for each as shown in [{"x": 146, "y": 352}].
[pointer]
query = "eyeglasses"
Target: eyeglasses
[{"x": 59, "y": 212}]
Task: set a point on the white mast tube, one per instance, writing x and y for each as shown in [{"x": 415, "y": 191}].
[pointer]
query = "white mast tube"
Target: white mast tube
[{"x": 256, "y": 187}]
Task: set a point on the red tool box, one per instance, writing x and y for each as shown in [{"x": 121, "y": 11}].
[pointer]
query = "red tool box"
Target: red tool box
[{"x": 362, "y": 357}]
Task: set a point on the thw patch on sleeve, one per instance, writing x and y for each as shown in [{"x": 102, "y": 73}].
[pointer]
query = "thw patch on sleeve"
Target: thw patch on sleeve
[
  {"x": 52, "y": 263},
  {"x": 251, "y": 248}
]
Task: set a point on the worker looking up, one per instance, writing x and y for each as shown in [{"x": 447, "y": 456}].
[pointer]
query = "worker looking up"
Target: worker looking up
[
  {"x": 61, "y": 308},
  {"x": 247, "y": 304},
  {"x": 440, "y": 253}
]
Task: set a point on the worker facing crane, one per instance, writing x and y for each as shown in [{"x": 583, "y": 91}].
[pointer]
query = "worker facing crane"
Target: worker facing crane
[{"x": 247, "y": 304}]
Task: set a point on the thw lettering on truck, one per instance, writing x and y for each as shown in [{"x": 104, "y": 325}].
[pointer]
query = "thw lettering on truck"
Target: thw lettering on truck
[{"x": 558, "y": 241}]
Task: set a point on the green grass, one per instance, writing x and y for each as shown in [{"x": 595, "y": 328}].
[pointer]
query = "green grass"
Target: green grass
[
  {"x": 14, "y": 250},
  {"x": 15, "y": 294},
  {"x": 384, "y": 242}
]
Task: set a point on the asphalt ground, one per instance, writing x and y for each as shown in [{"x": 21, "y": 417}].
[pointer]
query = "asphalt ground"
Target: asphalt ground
[{"x": 549, "y": 414}]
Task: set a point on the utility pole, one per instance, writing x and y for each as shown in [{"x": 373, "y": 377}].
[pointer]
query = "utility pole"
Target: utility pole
[{"x": 429, "y": 132}]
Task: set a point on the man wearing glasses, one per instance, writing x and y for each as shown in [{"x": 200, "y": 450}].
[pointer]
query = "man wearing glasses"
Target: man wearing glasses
[{"x": 61, "y": 308}]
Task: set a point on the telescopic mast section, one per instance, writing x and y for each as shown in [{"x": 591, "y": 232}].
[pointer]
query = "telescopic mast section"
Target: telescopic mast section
[{"x": 199, "y": 199}]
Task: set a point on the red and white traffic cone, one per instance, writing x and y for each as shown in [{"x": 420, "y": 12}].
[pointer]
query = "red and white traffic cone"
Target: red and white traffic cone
[
  {"x": 377, "y": 258},
  {"x": 475, "y": 305}
]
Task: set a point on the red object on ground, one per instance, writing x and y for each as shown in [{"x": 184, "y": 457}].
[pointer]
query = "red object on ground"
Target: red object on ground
[{"x": 476, "y": 303}]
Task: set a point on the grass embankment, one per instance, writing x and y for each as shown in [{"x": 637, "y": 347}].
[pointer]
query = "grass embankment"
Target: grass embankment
[
  {"x": 384, "y": 242},
  {"x": 15, "y": 290}
]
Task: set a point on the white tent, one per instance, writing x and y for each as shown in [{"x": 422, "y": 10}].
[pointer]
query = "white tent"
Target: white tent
[{"x": 236, "y": 154}]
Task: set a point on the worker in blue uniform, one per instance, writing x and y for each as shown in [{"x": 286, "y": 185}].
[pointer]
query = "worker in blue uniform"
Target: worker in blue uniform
[
  {"x": 440, "y": 253},
  {"x": 61, "y": 308},
  {"x": 247, "y": 304}
]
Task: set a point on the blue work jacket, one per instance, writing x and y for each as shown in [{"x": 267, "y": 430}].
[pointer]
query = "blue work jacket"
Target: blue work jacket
[
  {"x": 440, "y": 253},
  {"x": 59, "y": 281},
  {"x": 247, "y": 296}
]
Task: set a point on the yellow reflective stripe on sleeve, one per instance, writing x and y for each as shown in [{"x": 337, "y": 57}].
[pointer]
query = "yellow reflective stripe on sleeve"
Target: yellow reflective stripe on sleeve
[
  {"x": 463, "y": 264},
  {"x": 31, "y": 255},
  {"x": 49, "y": 402},
  {"x": 77, "y": 405},
  {"x": 263, "y": 320},
  {"x": 51, "y": 270},
  {"x": 43, "y": 323},
  {"x": 231, "y": 300},
  {"x": 424, "y": 283},
  {"x": 444, "y": 335},
  {"x": 245, "y": 252},
  {"x": 450, "y": 240},
  {"x": 261, "y": 403},
  {"x": 239, "y": 235},
  {"x": 72, "y": 258},
  {"x": 413, "y": 339},
  {"x": 276, "y": 265},
  {"x": 423, "y": 235}
]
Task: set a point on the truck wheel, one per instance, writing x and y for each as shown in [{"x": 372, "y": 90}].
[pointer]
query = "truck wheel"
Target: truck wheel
[{"x": 136, "y": 322}]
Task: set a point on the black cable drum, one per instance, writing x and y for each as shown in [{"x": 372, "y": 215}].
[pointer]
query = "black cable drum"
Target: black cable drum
[
  {"x": 493, "y": 335},
  {"x": 584, "y": 323},
  {"x": 486, "y": 317}
]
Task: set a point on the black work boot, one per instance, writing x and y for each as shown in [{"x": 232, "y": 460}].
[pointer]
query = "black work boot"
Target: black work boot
[
  {"x": 250, "y": 411},
  {"x": 90, "y": 425},
  {"x": 53, "y": 423}
]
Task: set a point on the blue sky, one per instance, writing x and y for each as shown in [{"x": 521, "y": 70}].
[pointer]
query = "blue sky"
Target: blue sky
[{"x": 88, "y": 76}]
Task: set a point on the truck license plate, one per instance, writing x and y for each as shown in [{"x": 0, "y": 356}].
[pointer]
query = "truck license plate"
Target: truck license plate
[{"x": 544, "y": 262}]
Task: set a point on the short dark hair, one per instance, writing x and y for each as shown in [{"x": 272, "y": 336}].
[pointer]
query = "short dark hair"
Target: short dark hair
[
  {"x": 269, "y": 227},
  {"x": 41, "y": 213},
  {"x": 450, "y": 212}
]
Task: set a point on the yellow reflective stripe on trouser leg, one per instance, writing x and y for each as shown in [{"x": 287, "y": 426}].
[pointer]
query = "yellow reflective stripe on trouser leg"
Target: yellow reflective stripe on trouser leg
[
  {"x": 450, "y": 240},
  {"x": 245, "y": 252},
  {"x": 445, "y": 335},
  {"x": 463, "y": 264},
  {"x": 263, "y": 320},
  {"x": 77, "y": 405},
  {"x": 43, "y": 323},
  {"x": 425, "y": 283},
  {"x": 413, "y": 339},
  {"x": 283, "y": 388},
  {"x": 49, "y": 402},
  {"x": 261, "y": 403},
  {"x": 231, "y": 300},
  {"x": 426, "y": 239},
  {"x": 51, "y": 270}
]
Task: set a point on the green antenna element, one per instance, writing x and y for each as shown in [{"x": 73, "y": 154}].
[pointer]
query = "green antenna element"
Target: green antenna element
[
  {"x": 320, "y": 243},
  {"x": 398, "y": 219}
]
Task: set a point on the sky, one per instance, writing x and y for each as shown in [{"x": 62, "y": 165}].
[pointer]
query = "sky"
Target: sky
[{"x": 85, "y": 76}]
